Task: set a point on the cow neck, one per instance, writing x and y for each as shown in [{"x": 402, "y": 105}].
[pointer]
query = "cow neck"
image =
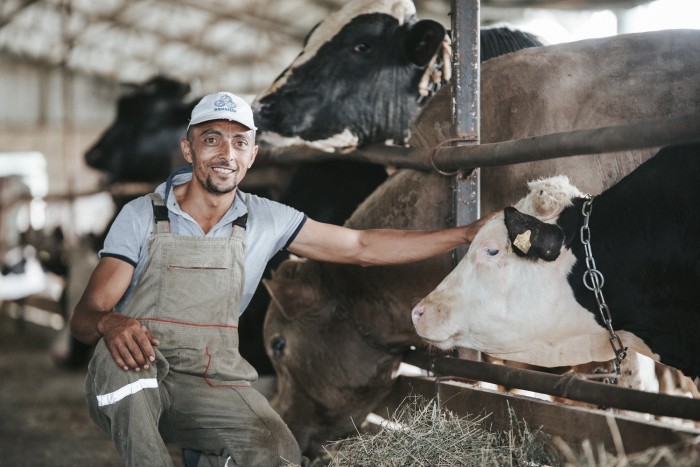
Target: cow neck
[
  {"x": 366, "y": 336},
  {"x": 593, "y": 280},
  {"x": 575, "y": 220}
]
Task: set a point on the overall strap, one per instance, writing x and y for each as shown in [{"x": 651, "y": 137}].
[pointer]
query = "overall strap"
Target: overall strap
[
  {"x": 241, "y": 222},
  {"x": 160, "y": 214},
  {"x": 169, "y": 181}
]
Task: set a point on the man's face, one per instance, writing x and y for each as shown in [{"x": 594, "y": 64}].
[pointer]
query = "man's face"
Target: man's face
[{"x": 221, "y": 152}]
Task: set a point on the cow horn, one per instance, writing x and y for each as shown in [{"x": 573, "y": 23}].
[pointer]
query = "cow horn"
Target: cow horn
[{"x": 532, "y": 238}]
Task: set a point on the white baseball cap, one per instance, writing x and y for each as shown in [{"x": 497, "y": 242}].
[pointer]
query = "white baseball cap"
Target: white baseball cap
[{"x": 225, "y": 106}]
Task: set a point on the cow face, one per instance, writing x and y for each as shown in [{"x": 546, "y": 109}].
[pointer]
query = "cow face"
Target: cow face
[
  {"x": 509, "y": 297},
  {"x": 356, "y": 81},
  {"x": 142, "y": 145},
  {"x": 328, "y": 377}
]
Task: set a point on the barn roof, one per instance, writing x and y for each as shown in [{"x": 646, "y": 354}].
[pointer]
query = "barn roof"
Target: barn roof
[{"x": 237, "y": 44}]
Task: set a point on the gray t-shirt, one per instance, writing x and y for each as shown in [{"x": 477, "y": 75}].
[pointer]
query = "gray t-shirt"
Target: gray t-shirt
[{"x": 271, "y": 227}]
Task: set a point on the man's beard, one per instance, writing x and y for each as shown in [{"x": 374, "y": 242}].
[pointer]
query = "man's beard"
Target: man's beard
[{"x": 209, "y": 185}]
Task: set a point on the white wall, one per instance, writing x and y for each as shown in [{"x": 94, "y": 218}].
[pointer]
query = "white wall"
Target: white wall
[{"x": 59, "y": 115}]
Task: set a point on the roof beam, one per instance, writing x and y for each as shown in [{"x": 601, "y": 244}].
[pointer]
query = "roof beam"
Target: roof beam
[{"x": 260, "y": 22}]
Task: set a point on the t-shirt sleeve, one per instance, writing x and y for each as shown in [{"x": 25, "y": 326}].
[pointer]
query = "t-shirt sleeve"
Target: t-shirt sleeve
[
  {"x": 129, "y": 231},
  {"x": 296, "y": 231},
  {"x": 277, "y": 222}
]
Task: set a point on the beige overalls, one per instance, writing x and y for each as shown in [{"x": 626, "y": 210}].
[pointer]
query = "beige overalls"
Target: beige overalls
[{"x": 198, "y": 393}]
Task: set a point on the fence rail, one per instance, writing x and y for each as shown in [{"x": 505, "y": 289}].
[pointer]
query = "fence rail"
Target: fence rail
[
  {"x": 644, "y": 134},
  {"x": 573, "y": 424},
  {"x": 569, "y": 387}
]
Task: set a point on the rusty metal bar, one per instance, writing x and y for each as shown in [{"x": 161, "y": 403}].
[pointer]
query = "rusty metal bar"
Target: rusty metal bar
[
  {"x": 644, "y": 134},
  {"x": 466, "y": 86},
  {"x": 466, "y": 81},
  {"x": 561, "y": 386},
  {"x": 673, "y": 130}
]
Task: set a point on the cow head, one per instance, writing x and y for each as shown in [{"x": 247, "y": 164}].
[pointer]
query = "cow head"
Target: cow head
[
  {"x": 142, "y": 145},
  {"x": 328, "y": 376},
  {"x": 362, "y": 75},
  {"x": 509, "y": 297},
  {"x": 355, "y": 81}
]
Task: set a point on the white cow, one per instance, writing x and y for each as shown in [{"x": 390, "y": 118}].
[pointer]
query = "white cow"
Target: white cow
[{"x": 519, "y": 293}]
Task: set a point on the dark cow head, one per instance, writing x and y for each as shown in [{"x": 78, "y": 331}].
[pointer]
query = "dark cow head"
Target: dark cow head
[
  {"x": 344, "y": 79},
  {"x": 357, "y": 79},
  {"x": 353, "y": 374},
  {"x": 142, "y": 145}
]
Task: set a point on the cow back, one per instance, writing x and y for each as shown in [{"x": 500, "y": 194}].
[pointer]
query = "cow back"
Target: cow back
[{"x": 586, "y": 84}]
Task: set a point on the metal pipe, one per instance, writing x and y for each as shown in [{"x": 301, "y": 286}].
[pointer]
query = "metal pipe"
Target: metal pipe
[
  {"x": 651, "y": 133},
  {"x": 673, "y": 130},
  {"x": 466, "y": 81},
  {"x": 605, "y": 395},
  {"x": 466, "y": 86}
]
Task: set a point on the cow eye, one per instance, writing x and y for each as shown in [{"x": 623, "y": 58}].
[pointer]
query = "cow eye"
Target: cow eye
[
  {"x": 492, "y": 251},
  {"x": 361, "y": 48},
  {"x": 278, "y": 344}
]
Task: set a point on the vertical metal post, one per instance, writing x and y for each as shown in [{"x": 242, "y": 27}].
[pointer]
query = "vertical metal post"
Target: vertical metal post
[{"x": 465, "y": 105}]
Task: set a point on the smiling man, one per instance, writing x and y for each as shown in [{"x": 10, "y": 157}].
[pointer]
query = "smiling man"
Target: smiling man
[{"x": 177, "y": 269}]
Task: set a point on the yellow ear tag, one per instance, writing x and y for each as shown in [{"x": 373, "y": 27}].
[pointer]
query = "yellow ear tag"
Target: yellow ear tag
[{"x": 522, "y": 241}]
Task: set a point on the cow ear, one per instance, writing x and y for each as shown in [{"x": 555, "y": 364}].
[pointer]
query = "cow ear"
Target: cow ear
[
  {"x": 424, "y": 39},
  {"x": 292, "y": 297},
  {"x": 531, "y": 237}
]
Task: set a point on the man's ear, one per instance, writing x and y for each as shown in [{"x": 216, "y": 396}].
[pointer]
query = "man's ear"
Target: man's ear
[
  {"x": 186, "y": 149},
  {"x": 253, "y": 156}
]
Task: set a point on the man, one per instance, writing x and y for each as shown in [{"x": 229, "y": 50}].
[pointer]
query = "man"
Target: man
[{"x": 177, "y": 269}]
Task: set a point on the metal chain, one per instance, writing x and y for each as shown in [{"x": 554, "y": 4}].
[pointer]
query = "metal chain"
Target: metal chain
[{"x": 593, "y": 280}]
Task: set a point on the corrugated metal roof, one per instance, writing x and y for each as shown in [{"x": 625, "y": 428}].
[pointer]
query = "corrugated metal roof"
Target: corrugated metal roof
[{"x": 233, "y": 44}]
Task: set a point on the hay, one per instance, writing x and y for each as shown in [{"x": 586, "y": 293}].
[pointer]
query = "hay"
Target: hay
[
  {"x": 420, "y": 434},
  {"x": 686, "y": 454}
]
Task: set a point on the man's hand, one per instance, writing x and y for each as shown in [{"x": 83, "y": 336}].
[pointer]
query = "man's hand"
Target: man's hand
[
  {"x": 129, "y": 341},
  {"x": 472, "y": 229}
]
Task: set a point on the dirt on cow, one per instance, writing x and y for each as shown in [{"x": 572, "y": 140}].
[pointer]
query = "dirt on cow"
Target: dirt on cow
[{"x": 43, "y": 417}]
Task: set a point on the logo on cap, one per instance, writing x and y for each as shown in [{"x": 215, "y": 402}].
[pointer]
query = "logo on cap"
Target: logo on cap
[{"x": 225, "y": 103}]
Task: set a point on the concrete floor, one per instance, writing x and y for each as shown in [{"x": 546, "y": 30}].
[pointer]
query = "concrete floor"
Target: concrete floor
[{"x": 43, "y": 418}]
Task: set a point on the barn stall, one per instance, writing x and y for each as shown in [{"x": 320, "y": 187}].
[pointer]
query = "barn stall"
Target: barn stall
[{"x": 61, "y": 106}]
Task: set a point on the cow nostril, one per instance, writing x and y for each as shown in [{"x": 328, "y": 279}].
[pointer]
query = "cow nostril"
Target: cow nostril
[{"x": 417, "y": 313}]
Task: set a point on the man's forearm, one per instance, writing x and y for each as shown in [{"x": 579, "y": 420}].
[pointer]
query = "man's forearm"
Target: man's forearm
[
  {"x": 86, "y": 324},
  {"x": 400, "y": 247}
]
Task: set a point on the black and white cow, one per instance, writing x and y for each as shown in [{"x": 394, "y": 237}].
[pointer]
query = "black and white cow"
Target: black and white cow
[
  {"x": 143, "y": 143},
  {"x": 358, "y": 79},
  {"x": 519, "y": 293}
]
